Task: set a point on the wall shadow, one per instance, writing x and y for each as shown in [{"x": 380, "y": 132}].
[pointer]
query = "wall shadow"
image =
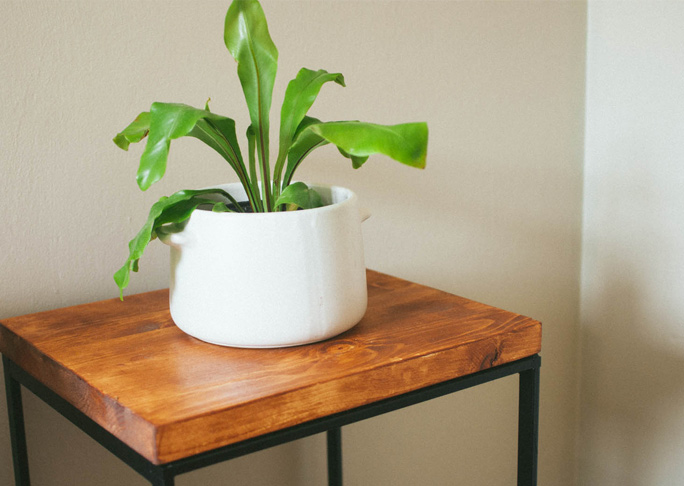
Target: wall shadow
[{"x": 632, "y": 384}]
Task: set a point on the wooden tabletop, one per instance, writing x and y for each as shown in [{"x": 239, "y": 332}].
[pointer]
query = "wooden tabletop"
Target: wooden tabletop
[{"x": 169, "y": 396}]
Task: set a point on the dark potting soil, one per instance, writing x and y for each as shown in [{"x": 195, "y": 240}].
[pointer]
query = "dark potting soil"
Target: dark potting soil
[{"x": 246, "y": 207}]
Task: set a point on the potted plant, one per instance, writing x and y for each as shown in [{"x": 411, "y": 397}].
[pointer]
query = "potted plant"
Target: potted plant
[{"x": 267, "y": 261}]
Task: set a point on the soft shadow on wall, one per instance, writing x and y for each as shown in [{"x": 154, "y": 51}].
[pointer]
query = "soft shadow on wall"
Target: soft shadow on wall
[
  {"x": 632, "y": 385},
  {"x": 632, "y": 332}
]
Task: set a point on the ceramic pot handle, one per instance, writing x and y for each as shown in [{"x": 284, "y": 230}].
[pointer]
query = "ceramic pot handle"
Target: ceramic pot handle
[{"x": 175, "y": 239}]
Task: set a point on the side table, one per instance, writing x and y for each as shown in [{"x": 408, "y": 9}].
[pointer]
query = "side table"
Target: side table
[{"x": 166, "y": 403}]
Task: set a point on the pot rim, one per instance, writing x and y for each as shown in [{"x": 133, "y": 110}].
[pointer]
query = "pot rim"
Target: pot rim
[{"x": 351, "y": 199}]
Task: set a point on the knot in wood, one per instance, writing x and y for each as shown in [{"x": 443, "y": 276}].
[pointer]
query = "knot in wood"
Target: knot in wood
[{"x": 339, "y": 347}]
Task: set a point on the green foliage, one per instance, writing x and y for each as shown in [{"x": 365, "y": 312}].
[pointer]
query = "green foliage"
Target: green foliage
[
  {"x": 300, "y": 95},
  {"x": 247, "y": 38},
  {"x": 166, "y": 215},
  {"x": 299, "y": 196}
]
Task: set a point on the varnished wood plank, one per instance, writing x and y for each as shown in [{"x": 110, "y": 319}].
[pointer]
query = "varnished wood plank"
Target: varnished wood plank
[{"x": 169, "y": 395}]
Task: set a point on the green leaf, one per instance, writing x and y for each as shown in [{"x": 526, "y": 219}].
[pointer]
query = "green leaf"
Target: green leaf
[
  {"x": 405, "y": 143},
  {"x": 169, "y": 121},
  {"x": 247, "y": 38},
  {"x": 357, "y": 162},
  {"x": 173, "y": 211},
  {"x": 222, "y": 208},
  {"x": 218, "y": 132},
  {"x": 300, "y": 195},
  {"x": 305, "y": 141},
  {"x": 134, "y": 132},
  {"x": 300, "y": 95}
]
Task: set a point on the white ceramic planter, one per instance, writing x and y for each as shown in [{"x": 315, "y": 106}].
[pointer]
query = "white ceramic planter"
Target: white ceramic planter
[{"x": 270, "y": 279}]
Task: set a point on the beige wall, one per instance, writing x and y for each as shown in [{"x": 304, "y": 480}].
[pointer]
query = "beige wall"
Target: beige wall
[
  {"x": 495, "y": 217},
  {"x": 633, "y": 262}
]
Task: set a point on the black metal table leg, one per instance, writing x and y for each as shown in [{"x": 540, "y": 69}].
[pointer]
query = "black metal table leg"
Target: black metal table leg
[
  {"x": 528, "y": 425},
  {"x": 15, "y": 412},
  {"x": 163, "y": 477},
  {"x": 334, "y": 436}
]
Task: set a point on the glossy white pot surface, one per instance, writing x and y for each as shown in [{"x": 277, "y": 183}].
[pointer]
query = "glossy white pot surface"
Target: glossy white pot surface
[{"x": 270, "y": 279}]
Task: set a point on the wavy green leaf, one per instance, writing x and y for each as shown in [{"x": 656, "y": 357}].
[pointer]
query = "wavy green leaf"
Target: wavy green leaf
[
  {"x": 300, "y": 95},
  {"x": 173, "y": 211},
  {"x": 405, "y": 143},
  {"x": 247, "y": 38},
  {"x": 305, "y": 141},
  {"x": 299, "y": 195},
  {"x": 134, "y": 132},
  {"x": 357, "y": 162},
  {"x": 169, "y": 121},
  {"x": 218, "y": 132}
]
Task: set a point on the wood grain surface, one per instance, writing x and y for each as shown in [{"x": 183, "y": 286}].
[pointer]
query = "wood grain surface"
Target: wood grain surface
[{"x": 169, "y": 396}]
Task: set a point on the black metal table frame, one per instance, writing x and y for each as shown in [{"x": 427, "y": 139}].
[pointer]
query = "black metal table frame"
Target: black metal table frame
[{"x": 164, "y": 474}]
